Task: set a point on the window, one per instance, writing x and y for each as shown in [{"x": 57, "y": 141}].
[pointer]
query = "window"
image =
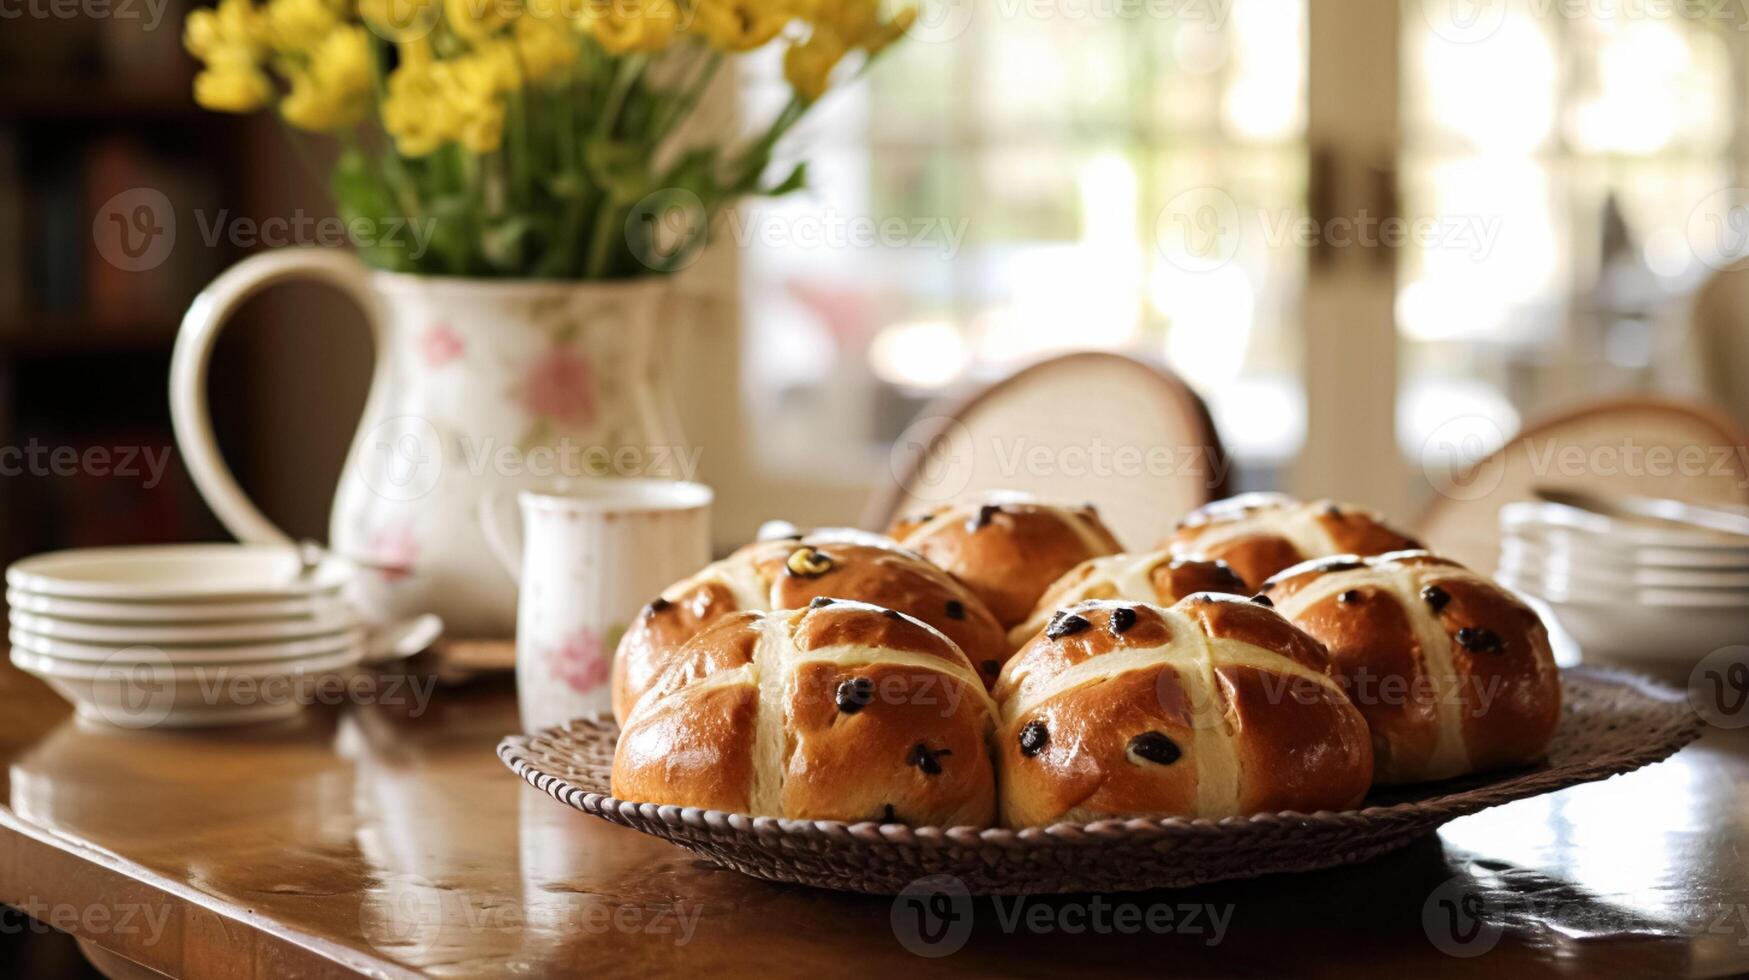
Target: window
[
  {"x": 1568, "y": 161},
  {"x": 1039, "y": 176}
]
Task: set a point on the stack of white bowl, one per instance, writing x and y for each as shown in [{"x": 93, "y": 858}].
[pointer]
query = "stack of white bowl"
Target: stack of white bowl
[
  {"x": 182, "y": 635},
  {"x": 1647, "y": 593}
]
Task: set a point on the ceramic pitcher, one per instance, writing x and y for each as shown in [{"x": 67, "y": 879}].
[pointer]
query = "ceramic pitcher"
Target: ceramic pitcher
[{"x": 479, "y": 385}]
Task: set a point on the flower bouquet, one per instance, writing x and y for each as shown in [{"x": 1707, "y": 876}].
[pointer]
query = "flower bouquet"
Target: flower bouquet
[{"x": 533, "y": 138}]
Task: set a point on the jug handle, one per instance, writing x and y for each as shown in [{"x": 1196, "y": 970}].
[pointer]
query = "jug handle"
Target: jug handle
[
  {"x": 502, "y": 536},
  {"x": 190, "y": 414}
]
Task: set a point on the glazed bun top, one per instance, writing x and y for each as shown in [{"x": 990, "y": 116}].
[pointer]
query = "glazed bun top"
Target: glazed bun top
[
  {"x": 1007, "y": 547},
  {"x": 1453, "y": 673},
  {"x": 788, "y": 573},
  {"x": 1259, "y": 534},
  {"x": 1214, "y": 707},
  {"x": 837, "y": 711},
  {"x": 1157, "y": 577}
]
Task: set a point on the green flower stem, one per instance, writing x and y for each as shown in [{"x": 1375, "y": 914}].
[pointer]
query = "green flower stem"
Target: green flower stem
[
  {"x": 682, "y": 107},
  {"x": 623, "y": 80},
  {"x": 601, "y": 239}
]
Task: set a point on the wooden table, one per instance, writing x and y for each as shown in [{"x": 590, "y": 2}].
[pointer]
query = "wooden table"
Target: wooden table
[{"x": 384, "y": 840}]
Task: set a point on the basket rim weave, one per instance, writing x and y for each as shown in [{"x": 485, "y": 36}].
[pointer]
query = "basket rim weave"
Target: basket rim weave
[{"x": 1465, "y": 798}]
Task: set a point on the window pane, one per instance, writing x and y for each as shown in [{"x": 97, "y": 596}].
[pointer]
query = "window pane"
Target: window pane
[{"x": 1045, "y": 165}]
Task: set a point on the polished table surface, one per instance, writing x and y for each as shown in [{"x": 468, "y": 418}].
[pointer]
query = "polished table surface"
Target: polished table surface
[{"x": 387, "y": 840}]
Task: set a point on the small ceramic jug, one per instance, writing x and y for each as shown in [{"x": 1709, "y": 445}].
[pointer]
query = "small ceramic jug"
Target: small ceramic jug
[{"x": 589, "y": 556}]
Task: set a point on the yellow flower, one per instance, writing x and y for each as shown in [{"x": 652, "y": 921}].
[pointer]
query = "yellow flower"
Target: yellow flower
[
  {"x": 476, "y": 20},
  {"x": 739, "y": 25},
  {"x": 857, "y": 23},
  {"x": 400, "y": 20},
  {"x": 410, "y": 108},
  {"x": 838, "y": 27},
  {"x": 334, "y": 90},
  {"x": 300, "y": 25},
  {"x": 233, "y": 26},
  {"x": 631, "y": 26},
  {"x": 546, "y": 46},
  {"x": 432, "y": 102},
  {"x": 232, "y": 83}
]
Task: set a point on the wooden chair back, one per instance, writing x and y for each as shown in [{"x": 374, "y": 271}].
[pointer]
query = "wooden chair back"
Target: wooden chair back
[{"x": 1115, "y": 431}]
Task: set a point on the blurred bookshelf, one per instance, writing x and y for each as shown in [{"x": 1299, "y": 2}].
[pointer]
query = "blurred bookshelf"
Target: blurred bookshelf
[{"x": 91, "y": 109}]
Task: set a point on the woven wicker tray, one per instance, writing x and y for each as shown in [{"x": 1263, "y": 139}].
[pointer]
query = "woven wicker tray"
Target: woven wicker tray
[{"x": 1611, "y": 723}]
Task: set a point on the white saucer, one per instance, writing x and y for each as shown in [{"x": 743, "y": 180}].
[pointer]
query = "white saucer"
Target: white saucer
[
  {"x": 155, "y": 695},
  {"x": 331, "y": 644},
  {"x": 106, "y": 611},
  {"x": 228, "y": 634},
  {"x": 177, "y": 573}
]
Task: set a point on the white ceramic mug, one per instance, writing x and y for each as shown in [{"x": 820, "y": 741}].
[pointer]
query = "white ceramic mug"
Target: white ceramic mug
[{"x": 590, "y": 555}]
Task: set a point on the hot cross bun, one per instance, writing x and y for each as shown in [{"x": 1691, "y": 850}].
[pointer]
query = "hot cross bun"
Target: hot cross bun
[
  {"x": 1452, "y": 672},
  {"x": 839, "y": 711},
  {"x": 1156, "y": 577},
  {"x": 1008, "y": 548},
  {"x": 1214, "y": 707},
  {"x": 1260, "y": 534},
  {"x": 786, "y": 574}
]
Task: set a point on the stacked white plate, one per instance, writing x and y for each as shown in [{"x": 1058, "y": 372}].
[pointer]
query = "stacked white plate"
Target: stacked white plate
[
  {"x": 1628, "y": 590},
  {"x": 182, "y": 635}
]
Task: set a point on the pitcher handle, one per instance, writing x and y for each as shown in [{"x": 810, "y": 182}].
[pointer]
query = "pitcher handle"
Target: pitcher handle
[
  {"x": 505, "y": 545},
  {"x": 191, "y": 416}
]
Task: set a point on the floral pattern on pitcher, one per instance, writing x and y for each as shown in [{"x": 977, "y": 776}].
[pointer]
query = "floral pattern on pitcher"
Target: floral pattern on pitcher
[
  {"x": 581, "y": 661},
  {"x": 559, "y": 388},
  {"x": 392, "y": 552},
  {"x": 441, "y": 344}
]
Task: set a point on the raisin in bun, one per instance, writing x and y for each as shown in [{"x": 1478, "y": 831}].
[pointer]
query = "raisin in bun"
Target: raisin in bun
[
  {"x": 1260, "y": 534},
  {"x": 839, "y": 711},
  {"x": 1452, "y": 672},
  {"x": 787, "y": 573},
  {"x": 1157, "y": 577},
  {"x": 1214, "y": 707},
  {"x": 1008, "y": 548}
]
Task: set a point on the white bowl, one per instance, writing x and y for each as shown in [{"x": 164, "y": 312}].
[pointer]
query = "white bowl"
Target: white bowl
[
  {"x": 1540, "y": 560},
  {"x": 176, "y": 573},
  {"x": 205, "y": 634},
  {"x": 121, "y": 653},
  {"x": 1558, "y": 586},
  {"x": 1617, "y": 535},
  {"x": 1624, "y": 633},
  {"x": 158, "y": 695},
  {"x": 1602, "y": 551},
  {"x": 105, "y": 611}
]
